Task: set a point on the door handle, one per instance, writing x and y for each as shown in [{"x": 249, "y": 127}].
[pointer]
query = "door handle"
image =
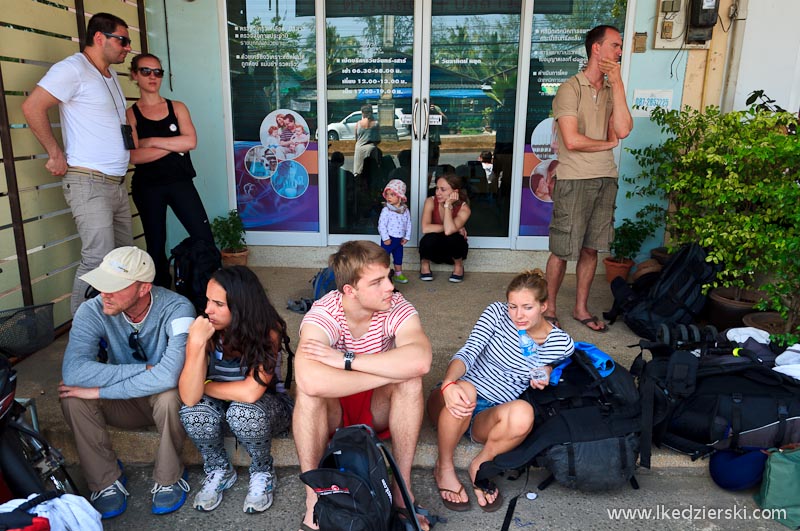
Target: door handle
[
  {"x": 427, "y": 118},
  {"x": 414, "y": 118}
]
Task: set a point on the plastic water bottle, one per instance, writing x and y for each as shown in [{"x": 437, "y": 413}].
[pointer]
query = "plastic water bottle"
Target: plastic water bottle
[
  {"x": 530, "y": 349},
  {"x": 526, "y": 344}
]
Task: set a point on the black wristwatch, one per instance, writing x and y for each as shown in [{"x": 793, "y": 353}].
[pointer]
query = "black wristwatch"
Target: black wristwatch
[{"x": 348, "y": 360}]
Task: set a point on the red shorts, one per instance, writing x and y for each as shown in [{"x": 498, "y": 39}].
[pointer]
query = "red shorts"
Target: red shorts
[{"x": 356, "y": 410}]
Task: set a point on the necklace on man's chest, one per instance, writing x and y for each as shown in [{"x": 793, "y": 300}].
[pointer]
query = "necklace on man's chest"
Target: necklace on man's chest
[{"x": 134, "y": 321}]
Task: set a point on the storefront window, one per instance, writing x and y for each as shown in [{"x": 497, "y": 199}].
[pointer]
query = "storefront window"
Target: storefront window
[
  {"x": 273, "y": 89},
  {"x": 369, "y": 65}
]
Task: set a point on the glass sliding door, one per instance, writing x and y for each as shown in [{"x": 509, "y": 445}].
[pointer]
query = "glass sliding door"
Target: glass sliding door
[
  {"x": 473, "y": 76},
  {"x": 415, "y": 89},
  {"x": 369, "y": 77}
]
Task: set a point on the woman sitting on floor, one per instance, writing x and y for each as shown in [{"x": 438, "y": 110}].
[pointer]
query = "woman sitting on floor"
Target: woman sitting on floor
[
  {"x": 479, "y": 392},
  {"x": 443, "y": 218}
]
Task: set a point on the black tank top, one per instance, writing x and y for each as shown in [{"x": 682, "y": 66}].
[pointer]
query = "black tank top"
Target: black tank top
[{"x": 172, "y": 168}]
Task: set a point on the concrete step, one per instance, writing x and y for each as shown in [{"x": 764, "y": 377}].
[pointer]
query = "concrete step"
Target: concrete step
[{"x": 139, "y": 447}]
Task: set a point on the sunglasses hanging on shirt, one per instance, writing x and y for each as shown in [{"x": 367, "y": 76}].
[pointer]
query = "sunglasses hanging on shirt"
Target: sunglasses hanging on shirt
[{"x": 138, "y": 352}]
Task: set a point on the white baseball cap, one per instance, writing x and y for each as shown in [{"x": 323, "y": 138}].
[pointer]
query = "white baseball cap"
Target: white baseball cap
[{"x": 120, "y": 268}]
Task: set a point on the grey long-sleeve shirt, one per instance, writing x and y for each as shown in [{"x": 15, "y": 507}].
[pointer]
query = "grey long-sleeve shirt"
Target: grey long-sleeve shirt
[{"x": 162, "y": 335}]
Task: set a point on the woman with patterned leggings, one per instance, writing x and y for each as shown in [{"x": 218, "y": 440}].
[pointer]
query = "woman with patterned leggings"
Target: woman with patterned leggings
[{"x": 232, "y": 376}]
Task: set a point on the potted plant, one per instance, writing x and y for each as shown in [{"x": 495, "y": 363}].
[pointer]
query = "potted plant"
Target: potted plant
[
  {"x": 729, "y": 182},
  {"x": 229, "y": 234},
  {"x": 628, "y": 240}
]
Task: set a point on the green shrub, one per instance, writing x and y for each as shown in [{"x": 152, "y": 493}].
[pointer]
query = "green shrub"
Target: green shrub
[{"x": 732, "y": 182}]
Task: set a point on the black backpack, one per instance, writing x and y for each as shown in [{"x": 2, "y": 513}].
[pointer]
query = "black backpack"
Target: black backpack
[
  {"x": 585, "y": 430},
  {"x": 194, "y": 261},
  {"x": 353, "y": 485},
  {"x": 714, "y": 400},
  {"x": 676, "y": 297}
]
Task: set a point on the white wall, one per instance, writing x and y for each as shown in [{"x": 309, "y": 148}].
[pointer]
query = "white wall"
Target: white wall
[
  {"x": 767, "y": 47},
  {"x": 196, "y": 67}
]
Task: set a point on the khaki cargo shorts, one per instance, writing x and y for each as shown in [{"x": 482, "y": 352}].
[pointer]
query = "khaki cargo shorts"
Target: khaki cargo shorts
[{"x": 583, "y": 216}]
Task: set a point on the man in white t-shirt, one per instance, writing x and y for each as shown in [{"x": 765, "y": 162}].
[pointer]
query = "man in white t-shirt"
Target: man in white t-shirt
[
  {"x": 360, "y": 360},
  {"x": 95, "y": 157}
]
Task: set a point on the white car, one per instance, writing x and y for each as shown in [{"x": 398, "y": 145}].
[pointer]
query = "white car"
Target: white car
[{"x": 346, "y": 129}]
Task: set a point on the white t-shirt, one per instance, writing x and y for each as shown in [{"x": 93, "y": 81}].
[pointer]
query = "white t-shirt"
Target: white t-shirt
[{"x": 92, "y": 108}]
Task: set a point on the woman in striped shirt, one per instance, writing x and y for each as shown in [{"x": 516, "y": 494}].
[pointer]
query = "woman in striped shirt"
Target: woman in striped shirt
[
  {"x": 479, "y": 391},
  {"x": 232, "y": 376}
]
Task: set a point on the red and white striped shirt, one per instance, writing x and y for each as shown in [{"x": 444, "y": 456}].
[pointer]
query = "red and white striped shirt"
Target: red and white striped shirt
[{"x": 328, "y": 314}]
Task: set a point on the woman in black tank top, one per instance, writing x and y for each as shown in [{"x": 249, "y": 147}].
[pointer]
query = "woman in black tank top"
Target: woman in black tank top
[{"x": 164, "y": 135}]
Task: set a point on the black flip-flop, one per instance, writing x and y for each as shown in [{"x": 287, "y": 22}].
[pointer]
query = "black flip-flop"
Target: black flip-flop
[
  {"x": 596, "y": 321},
  {"x": 488, "y": 487}
]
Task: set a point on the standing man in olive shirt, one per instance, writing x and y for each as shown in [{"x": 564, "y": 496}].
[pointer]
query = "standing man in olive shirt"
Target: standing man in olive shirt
[{"x": 592, "y": 117}]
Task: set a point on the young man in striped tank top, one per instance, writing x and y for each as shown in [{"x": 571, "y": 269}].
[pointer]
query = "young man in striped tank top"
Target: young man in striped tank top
[{"x": 361, "y": 358}]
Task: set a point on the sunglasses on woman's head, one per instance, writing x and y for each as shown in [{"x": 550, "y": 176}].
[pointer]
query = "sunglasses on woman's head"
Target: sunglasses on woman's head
[
  {"x": 133, "y": 342},
  {"x": 123, "y": 40},
  {"x": 146, "y": 71}
]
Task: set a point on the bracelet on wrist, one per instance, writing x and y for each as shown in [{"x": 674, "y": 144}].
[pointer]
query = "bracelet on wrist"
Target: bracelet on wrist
[{"x": 446, "y": 386}]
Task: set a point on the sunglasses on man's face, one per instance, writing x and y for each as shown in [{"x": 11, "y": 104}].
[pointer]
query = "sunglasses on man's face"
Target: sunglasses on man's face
[
  {"x": 138, "y": 352},
  {"x": 123, "y": 40},
  {"x": 145, "y": 71}
]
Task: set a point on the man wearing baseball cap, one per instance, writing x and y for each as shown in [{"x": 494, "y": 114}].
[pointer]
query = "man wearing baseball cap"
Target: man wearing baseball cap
[{"x": 121, "y": 366}]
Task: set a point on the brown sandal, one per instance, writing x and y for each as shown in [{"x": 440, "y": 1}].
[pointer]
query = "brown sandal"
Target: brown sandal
[{"x": 455, "y": 506}]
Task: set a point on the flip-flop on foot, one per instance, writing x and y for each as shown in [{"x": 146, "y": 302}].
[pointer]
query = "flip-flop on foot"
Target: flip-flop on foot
[
  {"x": 488, "y": 487},
  {"x": 603, "y": 328},
  {"x": 460, "y": 506}
]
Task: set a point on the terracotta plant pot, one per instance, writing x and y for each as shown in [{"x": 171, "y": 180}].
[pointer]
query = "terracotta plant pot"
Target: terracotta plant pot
[
  {"x": 771, "y": 322},
  {"x": 616, "y": 269},
  {"x": 237, "y": 258},
  {"x": 724, "y": 311}
]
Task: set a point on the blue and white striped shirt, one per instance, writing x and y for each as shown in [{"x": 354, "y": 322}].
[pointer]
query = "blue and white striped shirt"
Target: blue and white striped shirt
[{"x": 495, "y": 364}]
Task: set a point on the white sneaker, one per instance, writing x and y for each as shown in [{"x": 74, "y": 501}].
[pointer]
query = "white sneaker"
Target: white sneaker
[
  {"x": 210, "y": 495},
  {"x": 259, "y": 495}
]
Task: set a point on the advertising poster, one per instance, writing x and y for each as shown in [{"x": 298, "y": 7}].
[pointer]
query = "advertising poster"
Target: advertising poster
[
  {"x": 274, "y": 117},
  {"x": 540, "y": 163}
]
